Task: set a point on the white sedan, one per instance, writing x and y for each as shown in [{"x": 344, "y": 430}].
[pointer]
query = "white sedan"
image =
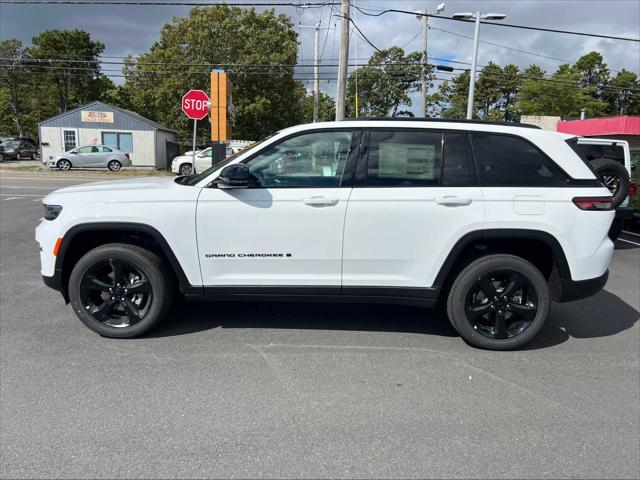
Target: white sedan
[{"x": 183, "y": 165}]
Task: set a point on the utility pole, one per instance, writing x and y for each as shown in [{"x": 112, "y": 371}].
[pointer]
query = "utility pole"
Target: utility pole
[
  {"x": 425, "y": 62},
  {"x": 344, "y": 60},
  {"x": 316, "y": 73},
  {"x": 316, "y": 66}
]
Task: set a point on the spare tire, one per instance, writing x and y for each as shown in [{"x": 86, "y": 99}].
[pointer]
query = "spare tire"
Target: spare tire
[{"x": 614, "y": 176}]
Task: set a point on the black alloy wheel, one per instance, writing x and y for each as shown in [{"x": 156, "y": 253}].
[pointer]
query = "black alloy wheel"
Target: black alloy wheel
[
  {"x": 501, "y": 304},
  {"x": 498, "y": 302},
  {"x": 120, "y": 290},
  {"x": 116, "y": 293}
]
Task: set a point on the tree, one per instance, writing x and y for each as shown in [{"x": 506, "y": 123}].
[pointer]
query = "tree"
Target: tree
[
  {"x": 384, "y": 84},
  {"x": 560, "y": 95},
  {"x": 326, "y": 108},
  {"x": 68, "y": 66},
  {"x": 453, "y": 95},
  {"x": 13, "y": 80},
  {"x": 593, "y": 73},
  {"x": 623, "y": 94},
  {"x": 257, "y": 50}
]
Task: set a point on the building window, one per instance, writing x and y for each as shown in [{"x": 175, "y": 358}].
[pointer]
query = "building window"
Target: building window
[
  {"x": 69, "y": 138},
  {"x": 119, "y": 141}
]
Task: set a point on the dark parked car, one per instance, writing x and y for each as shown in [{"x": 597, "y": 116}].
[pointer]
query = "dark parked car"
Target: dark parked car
[{"x": 17, "y": 150}]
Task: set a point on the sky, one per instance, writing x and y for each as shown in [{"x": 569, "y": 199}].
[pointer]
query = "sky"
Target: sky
[{"x": 133, "y": 29}]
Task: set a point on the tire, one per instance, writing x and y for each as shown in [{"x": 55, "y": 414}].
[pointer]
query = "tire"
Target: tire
[
  {"x": 96, "y": 272},
  {"x": 18, "y": 156},
  {"x": 63, "y": 165},
  {"x": 615, "y": 177},
  {"x": 33, "y": 156},
  {"x": 114, "y": 165},
  {"x": 616, "y": 229},
  {"x": 185, "y": 169},
  {"x": 1, "y": 157},
  {"x": 522, "y": 320}
]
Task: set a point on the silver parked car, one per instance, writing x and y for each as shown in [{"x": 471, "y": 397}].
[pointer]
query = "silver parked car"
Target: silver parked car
[{"x": 90, "y": 156}]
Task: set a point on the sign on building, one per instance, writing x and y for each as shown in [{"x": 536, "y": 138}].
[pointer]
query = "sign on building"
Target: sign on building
[{"x": 94, "y": 116}]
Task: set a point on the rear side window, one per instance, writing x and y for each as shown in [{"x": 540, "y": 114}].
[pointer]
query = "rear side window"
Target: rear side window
[
  {"x": 504, "y": 160},
  {"x": 404, "y": 158}
]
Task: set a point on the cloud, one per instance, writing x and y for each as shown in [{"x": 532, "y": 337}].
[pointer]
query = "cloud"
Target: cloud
[{"x": 133, "y": 29}]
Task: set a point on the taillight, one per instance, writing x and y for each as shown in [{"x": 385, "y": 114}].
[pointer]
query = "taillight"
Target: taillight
[
  {"x": 633, "y": 189},
  {"x": 127, "y": 155},
  {"x": 594, "y": 203}
]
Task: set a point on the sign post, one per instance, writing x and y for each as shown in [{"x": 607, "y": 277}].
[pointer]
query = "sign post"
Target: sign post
[{"x": 195, "y": 105}]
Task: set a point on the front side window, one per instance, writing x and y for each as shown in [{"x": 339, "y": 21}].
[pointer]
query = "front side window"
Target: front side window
[
  {"x": 87, "y": 150},
  {"x": 504, "y": 160},
  {"x": 311, "y": 160},
  {"x": 404, "y": 158}
]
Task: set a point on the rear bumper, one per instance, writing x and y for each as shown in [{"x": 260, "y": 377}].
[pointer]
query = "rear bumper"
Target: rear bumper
[
  {"x": 624, "y": 213},
  {"x": 570, "y": 290}
]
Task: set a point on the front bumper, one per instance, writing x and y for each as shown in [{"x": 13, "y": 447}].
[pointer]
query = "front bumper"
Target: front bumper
[{"x": 570, "y": 290}]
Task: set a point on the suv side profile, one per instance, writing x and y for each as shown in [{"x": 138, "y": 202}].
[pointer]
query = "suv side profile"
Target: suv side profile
[{"x": 493, "y": 221}]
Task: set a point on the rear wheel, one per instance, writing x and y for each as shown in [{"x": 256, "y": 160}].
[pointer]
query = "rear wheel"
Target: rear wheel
[
  {"x": 114, "y": 165},
  {"x": 1, "y": 157},
  {"x": 185, "y": 169},
  {"x": 498, "y": 302},
  {"x": 120, "y": 290},
  {"x": 63, "y": 165}
]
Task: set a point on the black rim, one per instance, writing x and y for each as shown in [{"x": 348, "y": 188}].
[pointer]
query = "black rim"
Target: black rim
[
  {"x": 501, "y": 304},
  {"x": 116, "y": 293},
  {"x": 611, "y": 181}
]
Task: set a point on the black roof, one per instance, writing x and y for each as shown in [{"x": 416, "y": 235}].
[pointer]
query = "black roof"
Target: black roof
[{"x": 446, "y": 120}]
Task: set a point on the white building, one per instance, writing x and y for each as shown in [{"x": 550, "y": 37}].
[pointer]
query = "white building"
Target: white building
[{"x": 148, "y": 143}]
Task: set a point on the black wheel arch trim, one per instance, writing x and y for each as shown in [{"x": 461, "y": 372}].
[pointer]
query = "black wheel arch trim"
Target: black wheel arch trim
[
  {"x": 560, "y": 259},
  {"x": 57, "y": 281}
]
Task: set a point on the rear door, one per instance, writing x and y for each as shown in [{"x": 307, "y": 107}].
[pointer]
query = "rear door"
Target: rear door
[{"x": 414, "y": 196}]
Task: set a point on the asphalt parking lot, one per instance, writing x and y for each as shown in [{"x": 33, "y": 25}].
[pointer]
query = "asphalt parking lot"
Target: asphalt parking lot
[{"x": 297, "y": 390}]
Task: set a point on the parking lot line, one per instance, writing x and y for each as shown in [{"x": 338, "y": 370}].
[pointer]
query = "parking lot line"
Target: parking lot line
[
  {"x": 629, "y": 241},
  {"x": 631, "y": 233},
  {"x": 17, "y": 195}
]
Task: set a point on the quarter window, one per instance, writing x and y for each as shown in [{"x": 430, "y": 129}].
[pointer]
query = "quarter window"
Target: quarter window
[
  {"x": 312, "y": 160},
  {"x": 504, "y": 160},
  {"x": 404, "y": 158}
]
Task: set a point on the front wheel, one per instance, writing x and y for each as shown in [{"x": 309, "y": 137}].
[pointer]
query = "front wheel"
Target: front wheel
[
  {"x": 114, "y": 165},
  {"x": 498, "y": 302},
  {"x": 185, "y": 169},
  {"x": 64, "y": 165},
  {"x": 120, "y": 290}
]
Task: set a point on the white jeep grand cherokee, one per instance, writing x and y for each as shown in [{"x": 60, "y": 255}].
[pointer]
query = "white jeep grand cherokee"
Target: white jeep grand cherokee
[{"x": 494, "y": 220}]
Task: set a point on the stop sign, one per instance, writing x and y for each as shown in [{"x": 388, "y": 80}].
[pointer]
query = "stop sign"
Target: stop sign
[{"x": 195, "y": 103}]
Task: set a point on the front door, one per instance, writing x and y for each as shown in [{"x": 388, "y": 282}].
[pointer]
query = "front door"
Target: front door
[
  {"x": 415, "y": 195},
  {"x": 286, "y": 229}
]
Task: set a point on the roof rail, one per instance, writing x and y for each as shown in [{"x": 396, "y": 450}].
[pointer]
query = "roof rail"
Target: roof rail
[{"x": 446, "y": 120}]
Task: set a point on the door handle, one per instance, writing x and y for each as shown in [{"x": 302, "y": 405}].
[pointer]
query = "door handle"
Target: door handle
[
  {"x": 320, "y": 201},
  {"x": 453, "y": 200}
]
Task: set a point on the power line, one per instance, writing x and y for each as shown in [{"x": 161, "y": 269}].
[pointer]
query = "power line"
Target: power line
[
  {"x": 508, "y": 25},
  {"x": 160, "y": 3}
]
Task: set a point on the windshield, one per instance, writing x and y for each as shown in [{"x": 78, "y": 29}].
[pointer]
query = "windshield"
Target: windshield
[{"x": 195, "y": 179}]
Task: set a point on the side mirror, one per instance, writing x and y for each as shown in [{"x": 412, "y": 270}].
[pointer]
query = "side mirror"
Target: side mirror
[{"x": 233, "y": 176}]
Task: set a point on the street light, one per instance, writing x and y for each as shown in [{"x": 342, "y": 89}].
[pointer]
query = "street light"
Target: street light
[{"x": 472, "y": 78}]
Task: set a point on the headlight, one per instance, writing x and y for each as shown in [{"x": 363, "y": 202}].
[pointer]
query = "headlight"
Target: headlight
[{"x": 51, "y": 212}]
